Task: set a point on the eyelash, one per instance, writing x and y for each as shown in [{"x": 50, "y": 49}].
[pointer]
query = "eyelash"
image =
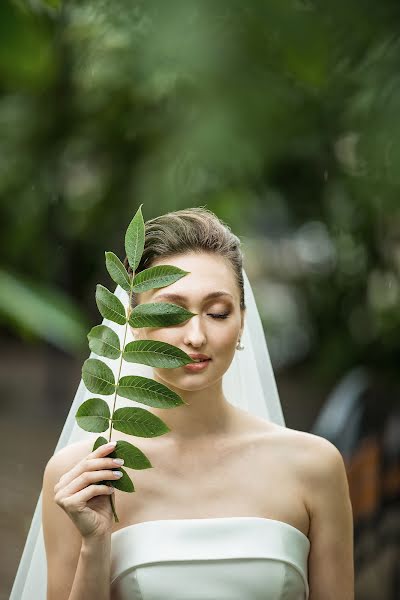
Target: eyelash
[{"x": 219, "y": 315}]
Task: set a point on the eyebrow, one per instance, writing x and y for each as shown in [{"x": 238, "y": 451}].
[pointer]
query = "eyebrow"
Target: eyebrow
[{"x": 180, "y": 298}]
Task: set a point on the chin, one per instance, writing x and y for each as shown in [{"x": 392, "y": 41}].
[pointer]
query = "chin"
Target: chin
[{"x": 189, "y": 381}]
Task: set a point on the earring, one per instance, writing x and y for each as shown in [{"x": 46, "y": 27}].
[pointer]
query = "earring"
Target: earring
[{"x": 239, "y": 345}]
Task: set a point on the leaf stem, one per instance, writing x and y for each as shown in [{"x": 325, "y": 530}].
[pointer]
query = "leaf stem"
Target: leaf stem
[
  {"x": 115, "y": 399},
  {"x": 118, "y": 378},
  {"x": 113, "y": 506}
]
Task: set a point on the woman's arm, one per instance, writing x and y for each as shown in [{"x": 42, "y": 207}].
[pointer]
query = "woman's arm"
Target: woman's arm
[
  {"x": 76, "y": 569},
  {"x": 331, "y": 561},
  {"x": 92, "y": 577}
]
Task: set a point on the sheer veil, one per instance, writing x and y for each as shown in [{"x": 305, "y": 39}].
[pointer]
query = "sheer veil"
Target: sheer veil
[{"x": 249, "y": 384}]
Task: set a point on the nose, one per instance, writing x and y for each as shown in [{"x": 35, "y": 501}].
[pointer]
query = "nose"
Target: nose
[{"x": 194, "y": 332}]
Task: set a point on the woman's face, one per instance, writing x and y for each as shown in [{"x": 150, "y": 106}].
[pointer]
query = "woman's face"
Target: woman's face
[{"x": 213, "y": 331}]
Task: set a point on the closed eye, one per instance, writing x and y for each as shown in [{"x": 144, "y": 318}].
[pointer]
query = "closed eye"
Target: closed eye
[{"x": 219, "y": 315}]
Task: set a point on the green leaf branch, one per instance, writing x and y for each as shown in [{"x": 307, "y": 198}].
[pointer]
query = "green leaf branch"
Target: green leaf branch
[{"x": 94, "y": 414}]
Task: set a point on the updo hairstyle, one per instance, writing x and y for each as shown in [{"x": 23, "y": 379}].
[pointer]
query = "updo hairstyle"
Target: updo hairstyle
[{"x": 190, "y": 230}]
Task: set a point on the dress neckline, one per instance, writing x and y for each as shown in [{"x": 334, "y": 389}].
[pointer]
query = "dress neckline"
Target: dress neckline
[{"x": 161, "y": 522}]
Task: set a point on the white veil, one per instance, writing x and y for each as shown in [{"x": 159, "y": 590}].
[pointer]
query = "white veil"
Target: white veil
[{"x": 249, "y": 384}]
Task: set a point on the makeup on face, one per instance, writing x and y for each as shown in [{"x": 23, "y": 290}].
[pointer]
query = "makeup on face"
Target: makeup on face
[
  {"x": 197, "y": 367},
  {"x": 209, "y": 292},
  {"x": 224, "y": 300},
  {"x": 179, "y": 298}
]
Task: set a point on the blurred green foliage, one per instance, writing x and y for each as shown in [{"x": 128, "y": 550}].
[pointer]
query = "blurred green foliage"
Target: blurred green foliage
[{"x": 282, "y": 117}]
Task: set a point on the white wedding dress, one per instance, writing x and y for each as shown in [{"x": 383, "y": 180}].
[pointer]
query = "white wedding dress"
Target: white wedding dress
[{"x": 219, "y": 558}]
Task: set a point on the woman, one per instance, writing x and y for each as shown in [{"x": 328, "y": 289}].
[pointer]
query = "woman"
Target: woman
[{"x": 235, "y": 506}]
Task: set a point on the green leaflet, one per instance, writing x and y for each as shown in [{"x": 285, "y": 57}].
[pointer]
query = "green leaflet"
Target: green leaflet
[
  {"x": 155, "y": 354},
  {"x": 158, "y": 314},
  {"x": 109, "y": 305},
  {"x": 139, "y": 422},
  {"x": 117, "y": 271},
  {"x": 104, "y": 341},
  {"x": 125, "y": 483},
  {"x": 98, "y": 377},
  {"x": 93, "y": 415},
  {"x": 134, "y": 239},
  {"x": 134, "y": 458},
  {"x": 100, "y": 441},
  {"x": 157, "y": 277},
  {"x": 147, "y": 391}
]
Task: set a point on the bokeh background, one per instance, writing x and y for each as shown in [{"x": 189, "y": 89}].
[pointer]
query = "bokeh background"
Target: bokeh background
[{"x": 281, "y": 117}]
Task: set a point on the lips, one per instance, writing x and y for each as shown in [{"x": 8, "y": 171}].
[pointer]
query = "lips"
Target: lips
[
  {"x": 198, "y": 366},
  {"x": 200, "y": 357}
]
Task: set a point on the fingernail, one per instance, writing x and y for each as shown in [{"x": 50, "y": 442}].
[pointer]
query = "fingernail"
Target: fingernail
[
  {"x": 118, "y": 461},
  {"x": 111, "y": 444}
]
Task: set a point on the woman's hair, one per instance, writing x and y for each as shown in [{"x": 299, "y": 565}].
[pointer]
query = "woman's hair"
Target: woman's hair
[{"x": 190, "y": 230}]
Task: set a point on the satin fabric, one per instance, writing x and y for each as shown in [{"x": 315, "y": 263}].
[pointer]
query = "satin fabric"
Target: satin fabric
[{"x": 223, "y": 558}]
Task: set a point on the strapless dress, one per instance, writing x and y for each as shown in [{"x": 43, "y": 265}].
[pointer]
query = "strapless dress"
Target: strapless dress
[{"x": 218, "y": 558}]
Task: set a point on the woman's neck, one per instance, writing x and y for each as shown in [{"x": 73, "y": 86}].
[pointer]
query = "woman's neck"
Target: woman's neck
[{"x": 206, "y": 415}]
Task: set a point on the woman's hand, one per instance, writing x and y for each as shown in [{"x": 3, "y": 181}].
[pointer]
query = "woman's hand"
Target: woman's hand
[{"x": 84, "y": 500}]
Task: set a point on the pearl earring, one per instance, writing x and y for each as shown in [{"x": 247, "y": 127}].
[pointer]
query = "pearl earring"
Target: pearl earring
[{"x": 239, "y": 345}]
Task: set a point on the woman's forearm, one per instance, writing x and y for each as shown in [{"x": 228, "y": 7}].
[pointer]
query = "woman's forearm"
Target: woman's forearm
[{"x": 92, "y": 577}]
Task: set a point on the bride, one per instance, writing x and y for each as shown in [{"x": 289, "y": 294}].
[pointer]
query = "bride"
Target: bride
[{"x": 236, "y": 505}]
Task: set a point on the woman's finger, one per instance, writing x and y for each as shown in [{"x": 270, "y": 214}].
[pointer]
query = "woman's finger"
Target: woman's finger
[
  {"x": 86, "y": 479},
  {"x": 83, "y": 465},
  {"x": 73, "y": 503}
]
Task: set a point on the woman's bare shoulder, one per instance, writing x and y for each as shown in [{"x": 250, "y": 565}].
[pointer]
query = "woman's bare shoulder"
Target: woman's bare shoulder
[
  {"x": 314, "y": 449},
  {"x": 319, "y": 462},
  {"x": 306, "y": 440},
  {"x": 312, "y": 453},
  {"x": 323, "y": 463},
  {"x": 65, "y": 458}
]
